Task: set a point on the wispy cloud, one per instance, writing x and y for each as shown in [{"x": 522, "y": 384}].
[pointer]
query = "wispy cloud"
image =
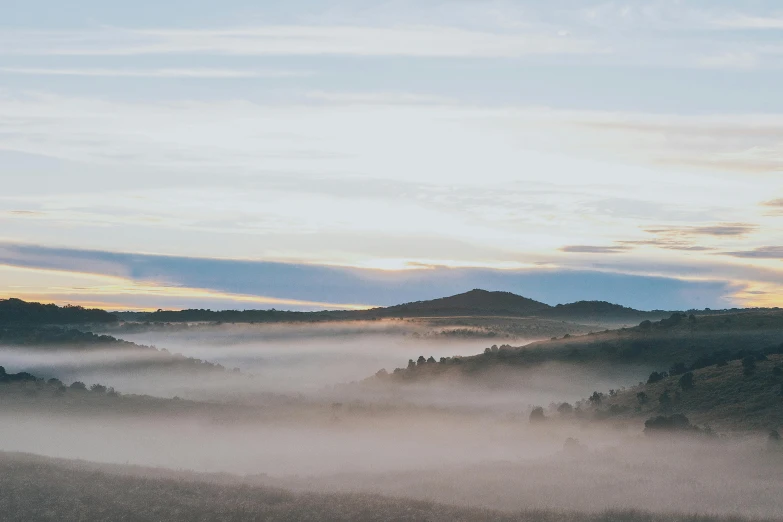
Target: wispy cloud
[
  {"x": 766, "y": 252},
  {"x": 775, "y": 207},
  {"x": 590, "y": 249},
  {"x": 425, "y": 41},
  {"x": 720, "y": 230},
  {"x": 200, "y": 73},
  {"x": 146, "y": 280},
  {"x": 379, "y": 98}
]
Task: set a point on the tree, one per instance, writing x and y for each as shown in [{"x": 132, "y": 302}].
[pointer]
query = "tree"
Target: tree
[
  {"x": 431, "y": 360},
  {"x": 656, "y": 377},
  {"x": 678, "y": 369},
  {"x": 686, "y": 381},
  {"x": 78, "y": 385},
  {"x": 421, "y": 360},
  {"x": 411, "y": 364},
  {"x": 749, "y": 365},
  {"x": 642, "y": 398},
  {"x": 596, "y": 398},
  {"x": 774, "y": 440},
  {"x": 98, "y": 388},
  {"x": 665, "y": 399},
  {"x": 537, "y": 415},
  {"x": 565, "y": 409},
  {"x": 671, "y": 423}
]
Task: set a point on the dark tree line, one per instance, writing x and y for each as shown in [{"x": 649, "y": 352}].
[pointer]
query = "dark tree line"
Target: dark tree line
[{"x": 16, "y": 311}]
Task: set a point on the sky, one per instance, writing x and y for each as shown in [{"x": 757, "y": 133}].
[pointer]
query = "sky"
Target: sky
[{"x": 308, "y": 155}]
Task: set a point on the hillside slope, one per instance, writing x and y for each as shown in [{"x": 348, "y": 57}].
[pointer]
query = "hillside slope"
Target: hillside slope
[
  {"x": 724, "y": 396},
  {"x": 688, "y": 340}
]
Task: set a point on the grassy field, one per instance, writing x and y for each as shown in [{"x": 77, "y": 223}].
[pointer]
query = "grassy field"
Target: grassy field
[
  {"x": 40, "y": 489},
  {"x": 722, "y": 396}
]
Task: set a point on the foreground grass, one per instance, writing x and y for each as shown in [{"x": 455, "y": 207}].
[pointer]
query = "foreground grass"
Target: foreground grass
[{"x": 41, "y": 489}]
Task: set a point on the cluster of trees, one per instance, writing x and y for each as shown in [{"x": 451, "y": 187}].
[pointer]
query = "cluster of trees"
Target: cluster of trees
[
  {"x": 722, "y": 358},
  {"x": 52, "y": 384},
  {"x": 16, "y": 311},
  {"x": 669, "y": 423},
  {"x": 30, "y": 335},
  {"x": 47, "y": 336}
]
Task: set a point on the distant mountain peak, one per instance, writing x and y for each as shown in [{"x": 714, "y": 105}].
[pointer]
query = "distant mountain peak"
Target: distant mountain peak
[{"x": 473, "y": 302}]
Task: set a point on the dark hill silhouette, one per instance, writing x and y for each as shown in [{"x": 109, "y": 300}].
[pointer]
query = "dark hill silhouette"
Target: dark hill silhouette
[
  {"x": 16, "y": 311},
  {"x": 474, "y": 302},
  {"x": 599, "y": 310}
]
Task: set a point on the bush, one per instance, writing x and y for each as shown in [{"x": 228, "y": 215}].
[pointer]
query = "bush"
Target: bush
[
  {"x": 565, "y": 409},
  {"x": 665, "y": 399},
  {"x": 537, "y": 415},
  {"x": 749, "y": 365},
  {"x": 656, "y": 377},
  {"x": 671, "y": 423},
  {"x": 774, "y": 441},
  {"x": 686, "y": 381},
  {"x": 572, "y": 445},
  {"x": 678, "y": 369},
  {"x": 642, "y": 398}
]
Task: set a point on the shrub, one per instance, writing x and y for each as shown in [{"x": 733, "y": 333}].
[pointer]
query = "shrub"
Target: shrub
[
  {"x": 656, "y": 377},
  {"x": 686, "y": 381},
  {"x": 596, "y": 398},
  {"x": 537, "y": 415},
  {"x": 678, "y": 369},
  {"x": 565, "y": 409},
  {"x": 642, "y": 398},
  {"x": 774, "y": 441},
  {"x": 665, "y": 399},
  {"x": 572, "y": 445},
  {"x": 749, "y": 365},
  {"x": 671, "y": 423}
]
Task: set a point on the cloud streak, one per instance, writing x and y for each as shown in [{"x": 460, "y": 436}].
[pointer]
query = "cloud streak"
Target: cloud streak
[
  {"x": 255, "y": 283},
  {"x": 199, "y": 73},
  {"x": 766, "y": 252},
  {"x": 421, "y": 41},
  {"x": 589, "y": 249}
]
